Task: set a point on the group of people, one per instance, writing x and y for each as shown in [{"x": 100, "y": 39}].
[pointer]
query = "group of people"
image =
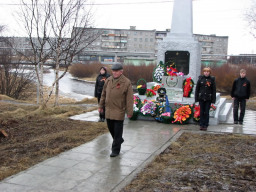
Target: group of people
[
  {"x": 205, "y": 94},
  {"x": 115, "y": 98}
]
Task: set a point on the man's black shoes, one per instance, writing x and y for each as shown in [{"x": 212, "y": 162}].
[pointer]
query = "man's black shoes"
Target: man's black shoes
[{"x": 114, "y": 154}]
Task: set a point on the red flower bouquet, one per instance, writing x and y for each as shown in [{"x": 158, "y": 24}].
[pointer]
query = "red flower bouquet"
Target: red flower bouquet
[
  {"x": 188, "y": 85},
  {"x": 171, "y": 71},
  {"x": 150, "y": 93},
  {"x": 196, "y": 115}
]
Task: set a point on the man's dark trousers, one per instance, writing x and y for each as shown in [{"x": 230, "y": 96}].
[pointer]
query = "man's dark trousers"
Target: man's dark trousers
[
  {"x": 115, "y": 128},
  {"x": 204, "y": 113},
  {"x": 242, "y": 103}
]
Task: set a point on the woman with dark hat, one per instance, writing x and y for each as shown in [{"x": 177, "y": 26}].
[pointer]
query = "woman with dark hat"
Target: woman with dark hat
[{"x": 100, "y": 81}]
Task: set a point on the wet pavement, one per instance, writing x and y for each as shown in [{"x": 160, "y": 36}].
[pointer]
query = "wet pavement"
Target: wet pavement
[{"x": 89, "y": 167}]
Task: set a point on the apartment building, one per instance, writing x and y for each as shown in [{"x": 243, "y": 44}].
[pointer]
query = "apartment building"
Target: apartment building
[
  {"x": 140, "y": 46},
  {"x": 135, "y": 46},
  {"x": 121, "y": 45},
  {"x": 214, "y": 48}
]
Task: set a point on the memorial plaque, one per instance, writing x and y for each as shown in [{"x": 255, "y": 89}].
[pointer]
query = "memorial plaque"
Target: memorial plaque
[
  {"x": 172, "y": 81},
  {"x": 180, "y": 59},
  {"x": 174, "y": 94}
]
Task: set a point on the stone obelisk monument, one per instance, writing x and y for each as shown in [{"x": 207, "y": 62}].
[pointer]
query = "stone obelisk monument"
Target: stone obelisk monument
[{"x": 179, "y": 46}]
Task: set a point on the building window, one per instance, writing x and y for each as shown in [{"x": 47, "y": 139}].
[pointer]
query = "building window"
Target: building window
[{"x": 135, "y": 39}]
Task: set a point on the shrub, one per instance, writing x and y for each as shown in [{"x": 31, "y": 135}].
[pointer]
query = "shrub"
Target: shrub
[
  {"x": 134, "y": 73},
  {"x": 15, "y": 81},
  {"x": 86, "y": 70},
  {"x": 227, "y": 73}
]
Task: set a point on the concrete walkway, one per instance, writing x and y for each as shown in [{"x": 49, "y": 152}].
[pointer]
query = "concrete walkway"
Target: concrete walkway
[{"x": 89, "y": 167}]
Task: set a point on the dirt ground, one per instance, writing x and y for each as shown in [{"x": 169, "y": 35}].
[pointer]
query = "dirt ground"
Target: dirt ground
[
  {"x": 195, "y": 162},
  {"x": 201, "y": 162}
]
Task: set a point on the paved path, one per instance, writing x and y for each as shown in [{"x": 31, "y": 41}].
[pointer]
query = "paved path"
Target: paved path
[{"x": 89, "y": 167}]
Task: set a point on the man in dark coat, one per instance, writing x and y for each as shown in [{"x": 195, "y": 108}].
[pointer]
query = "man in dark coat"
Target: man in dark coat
[
  {"x": 240, "y": 93},
  {"x": 206, "y": 95},
  {"x": 100, "y": 81}
]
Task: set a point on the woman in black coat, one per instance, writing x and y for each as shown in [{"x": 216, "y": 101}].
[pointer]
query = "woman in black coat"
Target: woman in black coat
[
  {"x": 100, "y": 81},
  {"x": 206, "y": 95}
]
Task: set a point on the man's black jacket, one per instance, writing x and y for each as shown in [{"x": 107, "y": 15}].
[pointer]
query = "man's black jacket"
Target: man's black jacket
[{"x": 241, "y": 88}]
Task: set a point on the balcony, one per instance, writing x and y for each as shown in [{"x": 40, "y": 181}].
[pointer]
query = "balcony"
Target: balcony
[
  {"x": 114, "y": 35},
  {"x": 113, "y": 47},
  {"x": 114, "y": 41}
]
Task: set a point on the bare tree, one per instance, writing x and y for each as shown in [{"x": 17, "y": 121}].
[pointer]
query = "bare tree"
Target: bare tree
[
  {"x": 250, "y": 17},
  {"x": 15, "y": 80},
  {"x": 58, "y": 30}
]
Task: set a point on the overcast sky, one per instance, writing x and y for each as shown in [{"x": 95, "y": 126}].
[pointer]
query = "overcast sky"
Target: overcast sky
[{"x": 220, "y": 17}]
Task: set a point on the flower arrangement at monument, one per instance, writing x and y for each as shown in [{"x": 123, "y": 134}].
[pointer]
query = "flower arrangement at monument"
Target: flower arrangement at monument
[
  {"x": 141, "y": 86},
  {"x": 137, "y": 101},
  {"x": 150, "y": 93},
  {"x": 156, "y": 87},
  {"x": 196, "y": 115},
  {"x": 171, "y": 71},
  {"x": 136, "y": 107},
  {"x": 148, "y": 107},
  {"x": 166, "y": 117},
  {"x": 166, "y": 114},
  {"x": 182, "y": 114},
  {"x": 212, "y": 110},
  {"x": 158, "y": 74},
  {"x": 188, "y": 85}
]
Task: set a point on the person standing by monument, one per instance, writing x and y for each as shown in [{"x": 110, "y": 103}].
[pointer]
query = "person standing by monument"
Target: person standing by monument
[
  {"x": 240, "y": 93},
  {"x": 100, "y": 81},
  {"x": 205, "y": 94},
  {"x": 117, "y": 98}
]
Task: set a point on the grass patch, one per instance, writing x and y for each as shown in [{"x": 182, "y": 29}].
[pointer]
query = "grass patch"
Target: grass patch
[
  {"x": 201, "y": 162},
  {"x": 35, "y": 135}
]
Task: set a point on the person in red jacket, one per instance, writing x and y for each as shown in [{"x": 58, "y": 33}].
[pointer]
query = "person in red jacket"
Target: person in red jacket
[{"x": 240, "y": 93}]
